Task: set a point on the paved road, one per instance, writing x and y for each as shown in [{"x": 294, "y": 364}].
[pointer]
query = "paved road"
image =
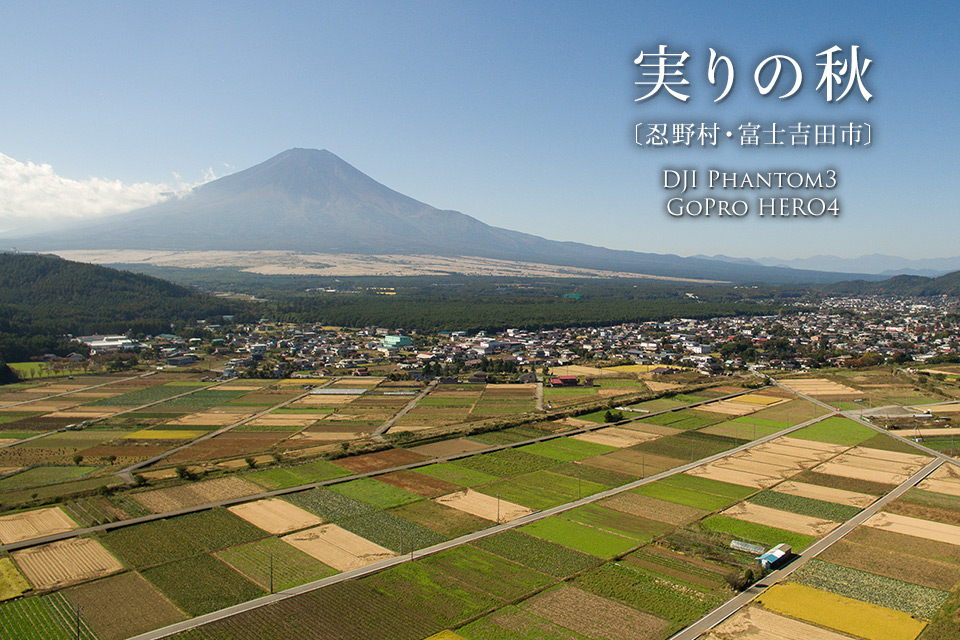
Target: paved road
[
  {"x": 470, "y": 537},
  {"x": 734, "y": 605},
  {"x": 379, "y": 431}
]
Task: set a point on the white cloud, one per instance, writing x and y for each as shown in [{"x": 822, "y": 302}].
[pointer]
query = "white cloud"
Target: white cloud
[{"x": 34, "y": 197}]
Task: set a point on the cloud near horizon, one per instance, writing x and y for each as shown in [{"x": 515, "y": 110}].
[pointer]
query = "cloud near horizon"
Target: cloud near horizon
[{"x": 34, "y": 197}]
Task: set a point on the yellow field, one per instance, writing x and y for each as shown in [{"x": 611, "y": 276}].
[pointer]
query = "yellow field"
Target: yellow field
[
  {"x": 838, "y": 612},
  {"x": 160, "y": 434},
  {"x": 12, "y": 583},
  {"x": 445, "y": 635},
  {"x": 756, "y": 398}
]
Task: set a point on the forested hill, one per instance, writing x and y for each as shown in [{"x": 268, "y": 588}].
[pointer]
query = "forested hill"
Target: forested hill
[
  {"x": 948, "y": 284},
  {"x": 43, "y": 297}
]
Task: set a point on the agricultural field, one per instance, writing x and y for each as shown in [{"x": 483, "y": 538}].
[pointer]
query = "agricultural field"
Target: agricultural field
[
  {"x": 274, "y": 559},
  {"x": 49, "y": 617},
  {"x": 201, "y": 584},
  {"x": 580, "y": 537}
]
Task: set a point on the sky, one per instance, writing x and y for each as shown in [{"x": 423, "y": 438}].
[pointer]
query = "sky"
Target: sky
[{"x": 521, "y": 114}]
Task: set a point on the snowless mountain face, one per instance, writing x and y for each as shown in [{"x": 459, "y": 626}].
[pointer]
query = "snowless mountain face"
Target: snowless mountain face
[{"x": 311, "y": 201}]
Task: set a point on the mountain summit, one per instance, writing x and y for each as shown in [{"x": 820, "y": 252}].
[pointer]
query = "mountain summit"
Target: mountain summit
[{"x": 311, "y": 201}]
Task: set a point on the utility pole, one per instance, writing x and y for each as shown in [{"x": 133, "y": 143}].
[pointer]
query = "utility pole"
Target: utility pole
[
  {"x": 579, "y": 482},
  {"x": 271, "y": 573},
  {"x": 498, "y": 508},
  {"x": 78, "y": 622}
]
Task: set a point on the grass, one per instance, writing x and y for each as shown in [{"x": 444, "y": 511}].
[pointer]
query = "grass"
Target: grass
[
  {"x": 680, "y": 495},
  {"x": 12, "y": 582},
  {"x": 682, "y": 420},
  {"x": 457, "y": 474},
  {"x": 920, "y": 602},
  {"x": 536, "y": 553},
  {"x": 836, "y": 430},
  {"x": 374, "y": 493},
  {"x": 761, "y": 534},
  {"x": 202, "y": 584},
  {"x": 518, "y": 493},
  {"x": 805, "y": 506},
  {"x": 566, "y": 449},
  {"x": 833, "y": 611},
  {"x": 291, "y": 567},
  {"x": 580, "y": 537}
]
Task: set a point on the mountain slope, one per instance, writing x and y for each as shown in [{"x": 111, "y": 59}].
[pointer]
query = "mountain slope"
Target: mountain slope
[
  {"x": 313, "y": 202},
  {"x": 42, "y": 297}
]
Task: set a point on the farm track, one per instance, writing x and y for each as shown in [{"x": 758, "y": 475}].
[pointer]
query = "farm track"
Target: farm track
[
  {"x": 66, "y": 393},
  {"x": 471, "y": 537},
  {"x": 126, "y": 474},
  {"x": 368, "y": 474},
  {"x": 383, "y": 428}
]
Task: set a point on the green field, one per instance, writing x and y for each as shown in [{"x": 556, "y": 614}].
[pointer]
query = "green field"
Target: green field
[
  {"x": 283, "y": 477},
  {"x": 544, "y": 556},
  {"x": 611, "y": 521},
  {"x": 38, "y": 476},
  {"x": 216, "y": 529},
  {"x": 566, "y": 449},
  {"x": 42, "y": 618},
  {"x": 151, "y": 543},
  {"x": 506, "y": 463},
  {"x": 140, "y": 396},
  {"x": 492, "y": 574},
  {"x": 680, "y": 495},
  {"x": 580, "y": 537},
  {"x": 291, "y": 567},
  {"x": 836, "y": 430},
  {"x": 202, "y": 584},
  {"x": 768, "y": 536},
  {"x": 805, "y": 506},
  {"x": 457, "y": 474},
  {"x": 374, "y": 493}
]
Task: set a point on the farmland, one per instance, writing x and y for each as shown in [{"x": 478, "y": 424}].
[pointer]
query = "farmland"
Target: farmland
[{"x": 202, "y": 584}]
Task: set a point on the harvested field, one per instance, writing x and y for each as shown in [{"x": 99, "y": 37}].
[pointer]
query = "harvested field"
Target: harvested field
[
  {"x": 886, "y": 562},
  {"x": 915, "y": 527},
  {"x": 337, "y": 547},
  {"x": 907, "y": 545},
  {"x": 821, "y": 387},
  {"x": 946, "y": 514},
  {"x": 766, "y": 516},
  {"x": 816, "y": 492},
  {"x": 123, "y": 606},
  {"x": 738, "y": 463},
  {"x": 483, "y": 506},
  {"x": 729, "y": 408},
  {"x": 565, "y": 606},
  {"x": 379, "y": 460},
  {"x": 847, "y": 484},
  {"x": 652, "y": 508},
  {"x": 65, "y": 562},
  {"x": 756, "y": 623},
  {"x": 275, "y": 516},
  {"x": 615, "y": 437},
  {"x": 833, "y": 611},
  {"x": 730, "y": 476},
  {"x": 34, "y": 524},
  {"x": 946, "y": 480},
  {"x": 191, "y": 495},
  {"x": 860, "y": 473}
]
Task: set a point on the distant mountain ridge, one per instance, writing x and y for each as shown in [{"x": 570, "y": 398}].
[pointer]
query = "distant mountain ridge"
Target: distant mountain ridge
[{"x": 312, "y": 201}]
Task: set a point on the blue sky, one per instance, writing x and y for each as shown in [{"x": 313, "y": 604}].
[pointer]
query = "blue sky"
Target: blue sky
[{"x": 518, "y": 113}]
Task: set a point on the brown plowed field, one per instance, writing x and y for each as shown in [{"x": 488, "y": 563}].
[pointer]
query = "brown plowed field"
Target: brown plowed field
[
  {"x": 379, "y": 460},
  {"x": 418, "y": 483},
  {"x": 566, "y": 606},
  {"x": 123, "y": 606},
  {"x": 756, "y": 623},
  {"x": 816, "y": 492},
  {"x": 195, "y": 494},
  {"x": 652, "y": 508},
  {"x": 275, "y": 515}
]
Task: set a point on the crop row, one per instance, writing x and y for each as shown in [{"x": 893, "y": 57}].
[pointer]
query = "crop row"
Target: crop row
[
  {"x": 921, "y": 602},
  {"x": 805, "y": 506}
]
